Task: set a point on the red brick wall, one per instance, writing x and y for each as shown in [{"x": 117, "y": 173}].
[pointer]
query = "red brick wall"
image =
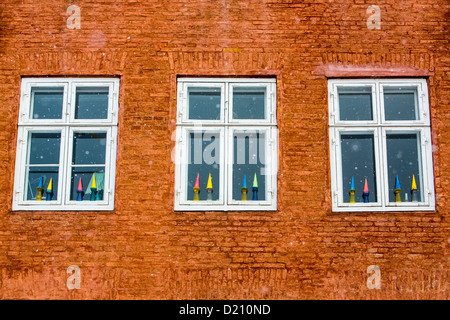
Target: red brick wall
[{"x": 145, "y": 250}]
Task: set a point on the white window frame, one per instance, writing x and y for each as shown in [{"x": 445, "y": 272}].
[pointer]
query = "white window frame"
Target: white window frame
[
  {"x": 184, "y": 114},
  {"x": 270, "y": 182},
  {"x": 67, "y": 125},
  {"x": 338, "y": 160},
  {"x": 268, "y": 101},
  {"x": 226, "y": 125},
  {"x": 379, "y": 127}
]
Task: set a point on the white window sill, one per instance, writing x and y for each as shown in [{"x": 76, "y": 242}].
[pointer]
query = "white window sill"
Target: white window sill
[
  {"x": 393, "y": 208},
  {"x": 32, "y": 207},
  {"x": 225, "y": 208}
]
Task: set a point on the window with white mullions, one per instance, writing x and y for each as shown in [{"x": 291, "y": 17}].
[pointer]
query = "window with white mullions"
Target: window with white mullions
[
  {"x": 67, "y": 144},
  {"x": 226, "y": 144},
  {"x": 380, "y": 143}
]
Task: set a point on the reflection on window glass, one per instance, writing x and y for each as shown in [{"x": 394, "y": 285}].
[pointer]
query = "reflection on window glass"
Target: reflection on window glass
[
  {"x": 44, "y": 148},
  {"x": 358, "y": 162},
  {"x": 249, "y": 160},
  {"x": 403, "y": 159},
  {"x": 46, "y": 103},
  {"x": 89, "y": 148},
  {"x": 42, "y": 166},
  {"x": 82, "y": 183},
  {"x": 355, "y": 103},
  {"x": 204, "y": 160},
  {"x": 91, "y": 103},
  {"x": 249, "y": 102},
  {"x": 39, "y": 177},
  {"x": 204, "y": 103},
  {"x": 400, "y": 103}
]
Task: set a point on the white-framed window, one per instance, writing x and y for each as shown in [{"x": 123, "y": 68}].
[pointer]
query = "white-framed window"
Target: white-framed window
[
  {"x": 380, "y": 145},
  {"x": 226, "y": 144},
  {"x": 66, "y": 146}
]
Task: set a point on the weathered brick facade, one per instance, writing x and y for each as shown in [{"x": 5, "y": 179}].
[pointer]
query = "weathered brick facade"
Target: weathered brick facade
[{"x": 145, "y": 250}]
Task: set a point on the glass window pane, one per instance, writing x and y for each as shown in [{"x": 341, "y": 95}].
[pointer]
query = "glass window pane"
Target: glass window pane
[
  {"x": 91, "y": 103},
  {"x": 204, "y": 103},
  {"x": 249, "y": 162},
  {"x": 249, "y": 103},
  {"x": 82, "y": 183},
  {"x": 400, "y": 103},
  {"x": 89, "y": 148},
  {"x": 403, "y": 159},
  {"x": 355, "y": 103},
  {"x": 34, "y": 183},
  {"x": 44, "y": 148},
  {"x": 204, "y": 160},
  {"x": 46, "y": 103},
  {"x": 358, "y": 162}
]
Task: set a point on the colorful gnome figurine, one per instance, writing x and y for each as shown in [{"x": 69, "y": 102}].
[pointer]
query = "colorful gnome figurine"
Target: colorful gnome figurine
[
  {"x": 255, "y": 189},
  {"x": 80, "y": 192},
  {"x": 397, "y": 190},
  {"x": 244, "y": 189},
  {"x": 40, "y": 190},
  {"x": 414, "y": 197},
  {"x": 352, "y": 191},
  {"x": 93, "y": 189},
  {"x": 197, "y": 188},
  {"x": 50, "y": 190},
  {"x": 365, "y": 194},
  {"x": 209, "y": 189}
]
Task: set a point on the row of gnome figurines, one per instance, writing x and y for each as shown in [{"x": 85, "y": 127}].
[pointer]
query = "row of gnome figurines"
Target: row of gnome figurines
[
  {"x": 209, "y": 189},
  {"x": 397, "y": 191},
  {"x": 95, "y": 195}
]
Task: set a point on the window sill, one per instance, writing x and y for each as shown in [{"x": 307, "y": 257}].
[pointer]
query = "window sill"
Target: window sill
[
  {"x": 109, "y": 207},
  {"x": 393, "y": 208},
  {"x": 225, "y": 208}
]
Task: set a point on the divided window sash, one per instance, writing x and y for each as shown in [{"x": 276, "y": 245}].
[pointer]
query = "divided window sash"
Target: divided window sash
[
  {"x": 226, "y": 129},
  {"x": 381, "y": 158},
  {"x": 67, "y": 130}
]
